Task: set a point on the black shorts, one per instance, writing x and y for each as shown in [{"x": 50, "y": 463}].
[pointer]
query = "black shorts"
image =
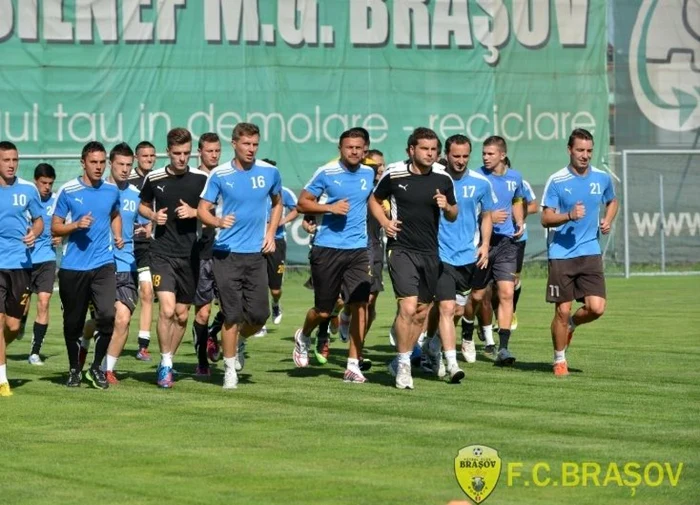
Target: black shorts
[
  {"x": 242, "y": 283},
  {"x": 14, "y": 291},
  {"x": 174, "y": 275},
  {"x": 521, "y": 256},
  {"x": 575, "y": 279},
  {"x": 142, "y": 255},
  {"x": 276, "y": 264},
  {"x": 127, "y": 289},
  {"x": 335, "y": 269},
  {"x": 414, "y": 274},
  {"x": 377, "y": 270},
  {"x": 43, "y": 277},
  {"x": 78, "y": 290},
  {"x": 454, "y": 280},
  {"x": 503, "y": 262},
  {"x": 206, "y": 291}
]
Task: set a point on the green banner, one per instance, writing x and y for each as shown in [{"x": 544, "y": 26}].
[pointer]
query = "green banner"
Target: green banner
[{"x": 305, "y": 70}]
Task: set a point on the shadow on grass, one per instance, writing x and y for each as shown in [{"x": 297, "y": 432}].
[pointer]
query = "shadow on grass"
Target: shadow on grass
[
  {"x": 17, "y": 383},
  {"x": 537, "y": 367}
]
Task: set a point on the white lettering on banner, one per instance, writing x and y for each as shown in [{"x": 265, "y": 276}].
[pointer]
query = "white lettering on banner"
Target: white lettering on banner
[
  {"x": 28, "y": 130},
  {"x": 674, "y": 224},
  {"x": 421, "y": 24}
]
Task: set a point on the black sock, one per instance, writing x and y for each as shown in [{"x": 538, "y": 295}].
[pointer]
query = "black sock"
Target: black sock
[
  {"x": 467, "y": 330},
  {"x": 217, "y": 324},
  {"x": 200, "y": 334},
  {"x": 102, "y": 341},
  {"x": 503, "y": 337},
  {"x": 39, "y": 334},
  {"x": 73, "y": 348},
  {"x": 143, "y": 342},
  {"x": 516, "y": 297},
  {"x": 323, "y": 329}
]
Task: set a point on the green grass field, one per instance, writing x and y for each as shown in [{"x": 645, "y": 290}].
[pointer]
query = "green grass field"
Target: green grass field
[{"x": 289, "y": 436}]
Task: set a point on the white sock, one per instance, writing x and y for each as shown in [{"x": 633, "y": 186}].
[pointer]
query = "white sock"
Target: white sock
[
  {"x": 3, "y": 374},
  {"x": 451, "y": 357},
  {"x": 405, "y": 357},
  {"x": 146, "y": 335},
  {"x": 353, "y": 363},
  {"x": 559, "y": 356},
  {"x": 111, "y": 363},
  {"x": 488, "y": 334},
  {"x": 166, "y": 359},
  {"x": 230, "y": 363}
]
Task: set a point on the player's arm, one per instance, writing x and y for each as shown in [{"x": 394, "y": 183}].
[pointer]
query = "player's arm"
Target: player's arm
[
  {"x": 532, "y": 207},
  {"x": 292, "y": 214},
  {"x": 273, "y": 224},
  {"x": 37, "y": 227},
  {"x": 116, "y": 225},
  {"x": 486, "y": 228},
  {"x": 59, "y": 227},
  {"x": 308, "y": 204},
  {"x": 207, "y": 217},
  {"x": 610, "y": 213},
  {"x": 519, "y": 217},
  {"x": 446, "y": 201},
  {"x": 551, "y": 218}
]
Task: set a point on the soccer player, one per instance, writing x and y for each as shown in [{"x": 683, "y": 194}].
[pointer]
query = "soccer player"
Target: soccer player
[
  {"x": 18, "y": 198},
  {"x": 244, "y": 185},
  {"x": 570, "y": 210},
  {"x": 43, "y": 262},
  {"x": 209, "y": 148},
  {"x": 458, "y": 252},
  {"x": 121, "y": 158},
  {"x": 340, "y": 256},
  {"x": 420, "y": 191},
  {"x": 145, "y": 159},
  {"x": 87, "y": 271},
  {"x": 169, "y": 198},
  {"x": 508, "y": 219}
]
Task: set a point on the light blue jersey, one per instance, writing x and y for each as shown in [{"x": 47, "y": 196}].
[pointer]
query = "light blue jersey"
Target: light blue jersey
[
  {"x": 529, "y": 197},
  {"x": 92, "y": 247},
  {"x": 507, "y": 187},
  {"x": 244, "y": 194},
  {"x": 17, "y": 201},
  {"x": 44, "y": 250},
  {"x": 289, "y": 202},
  {"x": 339, "y": 183},
  {"x": 129, "y": 209},
  {"x": 561, "y": 193},
  {"x": 458, "y": 239}
]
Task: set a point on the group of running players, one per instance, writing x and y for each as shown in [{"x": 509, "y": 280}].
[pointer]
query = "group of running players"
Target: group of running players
[{"x": 455, "y": 240}]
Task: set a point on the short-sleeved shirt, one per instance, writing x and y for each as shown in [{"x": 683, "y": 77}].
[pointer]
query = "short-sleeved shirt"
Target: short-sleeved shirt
[
  {"x": 338, "y": 183},
  {"x": 91, "y": 247},
  {"x": 458, "y": 239},
  {"x": 44, "y": 250},
  {"x": 136, "y": 179},
  {"x": 17, "y": 200},
  {"x": 289, "y": 203},
  {"x": 507, "y": 187},
  {"x": 412, "y": 201},
  {"x": 129, "y": 210},
  {"x": 561, "y": 193},
  {"x": 529, "y": 197},
  {"x": 243, "y": 193},
  {"x": 164, "y": 190}
]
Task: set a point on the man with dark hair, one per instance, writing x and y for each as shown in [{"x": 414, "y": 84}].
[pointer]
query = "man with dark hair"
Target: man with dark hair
[
  {"x": 145, "y": 159},
  {"x": 570, "y": 210},
  {"x": 420, "y": 191},
  {"x": 18, "y": 199},
  {"x": 243, "y": 186},
  {"x": 508, "y": 225},
  {"x": 209, "y": 148},
  {"x": 169, "y": 198},
  {"x": 43, "y": 262},
  {"x": 87, "y": 272},
  {"x": 339, "y": 257}
]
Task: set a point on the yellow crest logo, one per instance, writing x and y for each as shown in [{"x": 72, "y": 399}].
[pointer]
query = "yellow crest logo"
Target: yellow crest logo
[{"x": 477, "y": 468}]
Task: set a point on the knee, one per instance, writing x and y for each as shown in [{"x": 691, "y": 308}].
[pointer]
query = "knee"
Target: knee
[
  {"x": 202, "y": 316},
  {"x": 122, "y": 317},
  {"x": 166, "y": 311},
  {"x": 181, "y": 316},
  {"x": 596, "y": 308},
  {"x": 447, "y": 309},
  {"x": 12, "y": 324},
  {"x": 409, "y": 310},
  {"x": 276, "y": 293},
  {"x": 146, "y": 292},
  {"x": 105, "y": 324},
  {"x": 562, "y": 312}
]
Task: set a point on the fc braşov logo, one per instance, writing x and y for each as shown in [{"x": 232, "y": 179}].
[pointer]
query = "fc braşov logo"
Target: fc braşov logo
[{"x": 665, "y": 63}]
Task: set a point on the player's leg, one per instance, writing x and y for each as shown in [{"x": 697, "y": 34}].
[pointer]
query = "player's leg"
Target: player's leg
[
  {"x": 589, "y": 285},
  {"x": 14, "y": 293},
  {"x": 275, "y": 277},
  {"x": 4, "y": 383},
  {"x": 127, "y": 297},
  {"x": 74, "y": 291},
  {"x": 560, "y": 291},
  {"x": 203, "y": 298},
  {"x": 146, "y": 316},
  {"x": 518, "y": 286},
  {"x": 103, "y": 289},
  {"x": 504, "y": 267},
  {"x": 357, "y": 284},
  {"x": 41, "y": 326}
]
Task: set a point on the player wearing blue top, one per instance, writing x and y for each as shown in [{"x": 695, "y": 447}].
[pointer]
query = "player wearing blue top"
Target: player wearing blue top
[
  {"x": 121, "y": 159},
  {"x": 87, "y": 267},
  {"x": 508, "y": 224},
  {"x": 242, "y": 188},
  {"x": 18, "y": 199},
  {"x": 464, "y": 248},
  {"x": 43, "y": 263},
  {"x": 570, "y": 211},
  {"x": 339, "y": 256}
]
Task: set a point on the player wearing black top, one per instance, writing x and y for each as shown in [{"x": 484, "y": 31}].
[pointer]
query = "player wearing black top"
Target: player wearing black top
[
  {"x": 169, "y": 198},
  {"x": 418, "y": 189},
  {"x": 145, "y": 159}
]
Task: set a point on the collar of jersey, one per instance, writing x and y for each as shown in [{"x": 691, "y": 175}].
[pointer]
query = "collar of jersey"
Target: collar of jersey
[
  {"x": 576, "y": 174},
  {"x": 82, "y": 183},
  {"x": 169, "y": 172}
]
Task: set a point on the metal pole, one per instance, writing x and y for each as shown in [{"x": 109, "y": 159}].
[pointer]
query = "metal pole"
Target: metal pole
[
  {"x": 663, "y": 223},
  {"x": 625, "y": 214}
]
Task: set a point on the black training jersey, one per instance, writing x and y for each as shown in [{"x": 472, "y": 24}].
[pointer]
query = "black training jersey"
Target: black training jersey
[
  {"x": 412, "y": 203},
  {"x": 136, "y": 179},
  {"x": 162, "y": 188}
]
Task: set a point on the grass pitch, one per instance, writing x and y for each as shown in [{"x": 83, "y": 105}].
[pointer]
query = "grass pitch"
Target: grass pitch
[{"x": 289, "y": 436}]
